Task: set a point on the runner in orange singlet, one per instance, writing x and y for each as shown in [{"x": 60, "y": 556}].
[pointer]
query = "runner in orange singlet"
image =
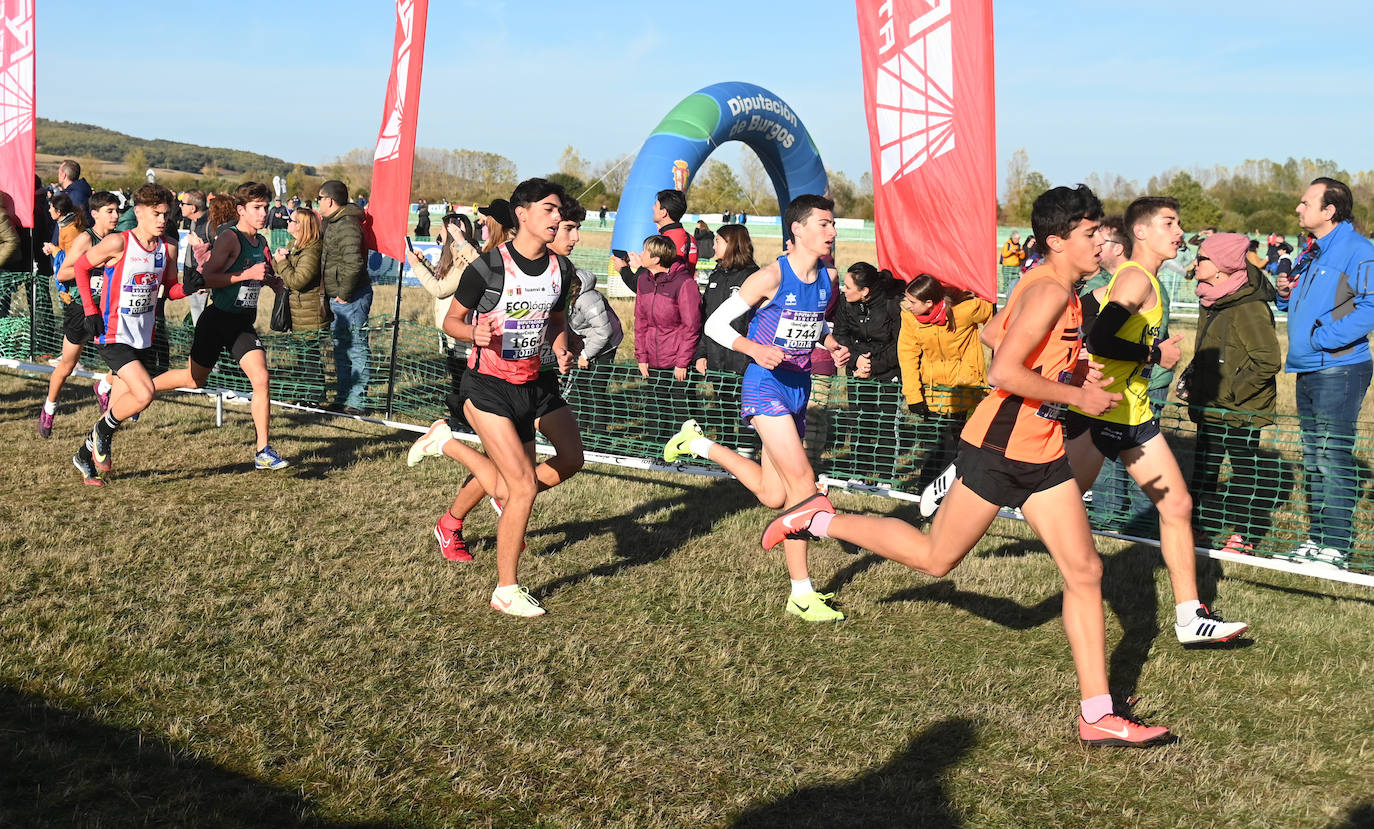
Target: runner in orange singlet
[{"x": 1012, "y": 455}]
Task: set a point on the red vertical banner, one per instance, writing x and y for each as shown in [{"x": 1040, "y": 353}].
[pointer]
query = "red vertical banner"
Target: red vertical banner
[
  {"x": 389, "y": 202},
  {"x": 930, "y": 99},
  {"x": 16, "y": 108}
]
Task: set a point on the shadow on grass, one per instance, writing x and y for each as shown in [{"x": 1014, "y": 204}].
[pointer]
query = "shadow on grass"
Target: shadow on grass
[
  {"x": 639, "y": 543},
  {"x": 1298, "y": 591},
  {"x": 62, "y": 768},
  {"x": 846, "y": 574},
  {"x": 1128, "y": 590},
  {"x": 1004, "y": 612},
  {"x": 907, "y": 791},
  {"x": 1361, "y": 816}
]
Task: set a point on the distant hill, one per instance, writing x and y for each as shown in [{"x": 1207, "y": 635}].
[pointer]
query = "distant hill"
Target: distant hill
[{"x": 70, "y": 140}]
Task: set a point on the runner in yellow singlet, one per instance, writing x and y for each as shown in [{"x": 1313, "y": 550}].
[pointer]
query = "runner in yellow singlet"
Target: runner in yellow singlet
[{"x": 1125, "y": 340}]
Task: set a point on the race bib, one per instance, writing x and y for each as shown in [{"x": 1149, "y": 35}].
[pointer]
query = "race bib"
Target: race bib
[
  {"x": 138, "y": 298},
  {"x": 248, "y": 295},
  {"x": 521, "y": 338},
  {"x": 798, "y": 330},
  {"x": 1055, "y": 411}
]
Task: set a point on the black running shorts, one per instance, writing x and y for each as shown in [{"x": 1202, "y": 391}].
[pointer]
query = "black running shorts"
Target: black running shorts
[
  {"x": 520, "y": 404},
  {"x": 119, "y": 355},
  {"x": 217, "y": 331},
  {"x": 1005, "y": 482},
  {"x": 74, "y": 323},
  {"x": 1111, "y": 439}
]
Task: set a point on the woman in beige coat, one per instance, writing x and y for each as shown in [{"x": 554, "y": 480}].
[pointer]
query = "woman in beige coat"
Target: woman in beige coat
[{"x": 300, "y": 269}]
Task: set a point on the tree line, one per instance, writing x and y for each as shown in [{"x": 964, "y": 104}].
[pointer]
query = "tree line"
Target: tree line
[
  {"x": 72, "y": 140},
  {"x": 1257, "y": 196}
]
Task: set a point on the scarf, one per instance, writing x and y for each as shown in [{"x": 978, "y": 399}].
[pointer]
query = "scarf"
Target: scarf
[
  {"x": 936, "y": 315},
  {"x": 1209, "y": 292}
]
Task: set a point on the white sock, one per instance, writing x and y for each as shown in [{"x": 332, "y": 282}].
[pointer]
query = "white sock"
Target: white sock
[
  {"x": 105, "y": 386},
  {"x": 701, "y": 447},
  {"x": 506, "y": 592},
  {"x": 802, "y": 587},
  {"x": 1187, "y": 611},
  {"x": 50, "y": 406}
]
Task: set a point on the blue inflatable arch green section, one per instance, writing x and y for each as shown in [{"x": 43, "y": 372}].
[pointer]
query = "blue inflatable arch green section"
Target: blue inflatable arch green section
[{"x": 695, "y": 128}]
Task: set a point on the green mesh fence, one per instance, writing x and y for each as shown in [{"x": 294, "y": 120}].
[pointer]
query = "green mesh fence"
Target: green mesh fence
[{"x": 1246, "y": 473}]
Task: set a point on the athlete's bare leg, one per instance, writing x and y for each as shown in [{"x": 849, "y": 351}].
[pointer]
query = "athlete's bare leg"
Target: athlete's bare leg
[
  {"x": 66, "y": 364},
  {"x": 1058, "y": 517},
  {"x": 560, "y": 427},
  {"x": 254, "y": 365},
  {"x": 1155, "y": 469},
  {"x": 515, "y": 481},
  {"x": 766, "y": 483},
  {"x": 961, "y": 522},
  {"x": 785, "y": 467},
  {"x": 191, "y": 377},
  {"x": 1084, "y": 459},
  {"x": 133, "y": 391}
]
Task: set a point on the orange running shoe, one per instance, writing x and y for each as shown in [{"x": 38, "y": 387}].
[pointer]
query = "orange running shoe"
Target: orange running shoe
[
  {"x": 1120, "y": 730},
  {"x": 794, "y": 521}
]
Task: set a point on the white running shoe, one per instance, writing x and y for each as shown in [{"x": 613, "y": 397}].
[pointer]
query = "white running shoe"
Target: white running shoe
[
  {"x": 933, "y": 494},
  {"x": 430, "y": 444},
  {"x": 1208, "y": 627},
  {"x": 1300, "y": 554},
  {"x": 1329, "y": 558},
  {"x": 496, "y": 505},
  {"x": 522, "y": 604}
]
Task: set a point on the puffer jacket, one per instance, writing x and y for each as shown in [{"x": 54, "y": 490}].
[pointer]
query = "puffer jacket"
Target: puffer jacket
[
  {"x": 667, "y": 317},
  {"x": 1236, "y": 358},
  {"x": 595, "y": 321},
  {"x": 343, "y": 258},
  {"x": 720, "y": 286},
  {"x": 933, "y": 355},
  {"x": 300, "y": 270},
  {"x": 871, "y": 327}
]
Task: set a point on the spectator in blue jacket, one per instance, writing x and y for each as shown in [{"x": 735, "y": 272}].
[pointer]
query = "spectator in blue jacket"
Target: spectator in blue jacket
[
  {"x": 1329, "y": 298},
  {"x": 70, "y": 182}
]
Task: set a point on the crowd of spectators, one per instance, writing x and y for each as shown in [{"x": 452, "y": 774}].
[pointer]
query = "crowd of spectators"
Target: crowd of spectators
[{"x": 914, "y": 339}]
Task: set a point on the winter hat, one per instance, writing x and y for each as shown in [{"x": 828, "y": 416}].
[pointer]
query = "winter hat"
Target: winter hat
[{"x": 1226, "y": 250}]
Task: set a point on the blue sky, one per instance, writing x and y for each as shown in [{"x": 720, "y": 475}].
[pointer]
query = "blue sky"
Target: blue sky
[{"x": 1128, "y": 89}]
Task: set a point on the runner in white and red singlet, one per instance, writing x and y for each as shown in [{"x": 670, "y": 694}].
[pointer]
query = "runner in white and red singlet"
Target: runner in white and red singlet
[
  {"x": 508, "y": 304},
  {"x": 120, "y": 317}
]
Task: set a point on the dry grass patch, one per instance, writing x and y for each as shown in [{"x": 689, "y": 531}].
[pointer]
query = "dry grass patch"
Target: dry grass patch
[{"x": 201, "y": 644}]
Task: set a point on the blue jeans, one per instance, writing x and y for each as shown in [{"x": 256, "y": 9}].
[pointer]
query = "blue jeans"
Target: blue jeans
[
  {"x": 350, "y": 348},
  {"x": 1328, "y": 405}
]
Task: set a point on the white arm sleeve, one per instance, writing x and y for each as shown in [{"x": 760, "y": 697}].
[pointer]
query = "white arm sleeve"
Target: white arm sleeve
[{"x": 719, "y": 325}]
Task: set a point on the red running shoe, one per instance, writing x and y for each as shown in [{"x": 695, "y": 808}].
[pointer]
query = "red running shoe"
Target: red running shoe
[
  {"x": 1120, "y": 730},
  {"x": 794, "y": 521},
  {"x": 1237, "y": 544},
  {"x": 450, "y": 535}
]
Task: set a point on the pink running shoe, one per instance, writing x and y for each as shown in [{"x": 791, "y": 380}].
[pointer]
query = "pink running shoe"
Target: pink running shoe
[{"x": 794, "y": 521}]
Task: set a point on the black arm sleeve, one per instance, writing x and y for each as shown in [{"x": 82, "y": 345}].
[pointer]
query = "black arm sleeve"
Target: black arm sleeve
[{"x": 1103, "y": 341}]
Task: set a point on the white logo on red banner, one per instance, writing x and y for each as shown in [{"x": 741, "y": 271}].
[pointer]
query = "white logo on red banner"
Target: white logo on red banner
[
  {"x": 16, "y": 84},
  {"x": 389, "y": 142},
  {"x": 914, "y": 101}
]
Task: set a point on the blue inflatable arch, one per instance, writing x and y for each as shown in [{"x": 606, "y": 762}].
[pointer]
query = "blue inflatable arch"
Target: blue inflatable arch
[{"x": 695, "y": 128}]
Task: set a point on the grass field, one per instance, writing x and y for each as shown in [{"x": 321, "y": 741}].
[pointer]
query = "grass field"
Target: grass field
[{"x": 198, "y": 644}]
